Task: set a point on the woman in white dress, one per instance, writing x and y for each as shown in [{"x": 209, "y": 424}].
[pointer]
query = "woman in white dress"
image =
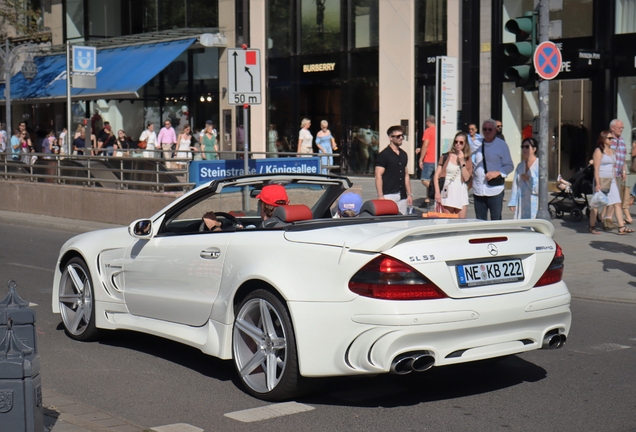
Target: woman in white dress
[
  {"x": 183, "y": 145},
  {"x": 149, "y": 136},
  {"x": 524, "y": 197},
  {"x": 605, "y": 181},
  {"x": 305, "y": 139},
  {"x": 456, "y": 168}
]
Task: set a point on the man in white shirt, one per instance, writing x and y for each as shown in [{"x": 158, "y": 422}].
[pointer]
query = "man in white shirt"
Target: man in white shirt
[{"x": 489, "y": 176}]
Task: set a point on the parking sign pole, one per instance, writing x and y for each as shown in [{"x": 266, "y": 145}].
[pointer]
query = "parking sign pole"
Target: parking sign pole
[
  {"x": 544, "y": 114},
  {"x": 246, "y": 153}
]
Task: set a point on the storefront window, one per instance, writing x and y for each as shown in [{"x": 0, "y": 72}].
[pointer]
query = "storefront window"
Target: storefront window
[
  {"x": 365, "y": 22},
  {"x": 575, "y": 19},
  {"x": 320, "y": 26},
  {"x": 104, "y": 18},
  {"x": 431, "y": 21},
  {"x": 278, "y": 30},
  {"x": 626, "y": 108},
  {"x": 74, "y": 19},
  {"x": 625, "y": 16}
]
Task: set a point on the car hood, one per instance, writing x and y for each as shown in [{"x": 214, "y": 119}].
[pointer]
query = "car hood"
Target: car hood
[{"x": 382, "y": 236}]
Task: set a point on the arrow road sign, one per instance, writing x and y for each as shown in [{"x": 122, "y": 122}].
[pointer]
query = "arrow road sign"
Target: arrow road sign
[
  {"x": 244, "y": 76},
  {"x": 84, "y": 59},
  {"x": 547, "y": 60}
]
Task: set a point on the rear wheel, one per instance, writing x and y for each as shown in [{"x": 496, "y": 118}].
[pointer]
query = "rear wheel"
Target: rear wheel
[
  {"x": 552, "y": 211},
  {"x": 576, "y": 214},
  {"x": 264, "y": 348},
  {"x": 77, "y": 304}
]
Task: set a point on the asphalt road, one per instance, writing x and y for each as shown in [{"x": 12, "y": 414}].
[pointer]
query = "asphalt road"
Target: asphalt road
[{"x": 589, "y": 385}]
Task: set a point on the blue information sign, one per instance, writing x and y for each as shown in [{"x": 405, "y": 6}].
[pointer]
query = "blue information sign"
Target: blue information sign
[
  {"x": 84, "y": 59},
  {"x": 205, "y": 171}
]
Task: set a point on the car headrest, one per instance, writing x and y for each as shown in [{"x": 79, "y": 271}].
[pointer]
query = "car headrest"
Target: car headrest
[
  {"x": 380, "y": 208},
  {"x": 292, "y": 213}
]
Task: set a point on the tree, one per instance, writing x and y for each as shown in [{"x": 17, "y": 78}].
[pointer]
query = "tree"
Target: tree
[{"x": 19, "y": 19}]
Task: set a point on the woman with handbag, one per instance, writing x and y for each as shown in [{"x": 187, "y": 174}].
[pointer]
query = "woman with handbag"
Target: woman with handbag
[
  {"x": 453, "y": 172},
  {"x": 604, "y": 181},
  {"x": 524, "y": 197}
]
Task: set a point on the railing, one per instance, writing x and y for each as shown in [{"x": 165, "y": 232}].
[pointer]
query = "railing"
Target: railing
[{"x": 132, "y": 170}]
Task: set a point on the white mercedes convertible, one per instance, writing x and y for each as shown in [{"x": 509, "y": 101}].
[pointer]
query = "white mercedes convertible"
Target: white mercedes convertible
[{"x": 306, "y": 295}]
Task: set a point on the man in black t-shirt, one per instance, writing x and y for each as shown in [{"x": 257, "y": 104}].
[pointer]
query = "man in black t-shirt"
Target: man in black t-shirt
[{"x": 391, "y": 171}]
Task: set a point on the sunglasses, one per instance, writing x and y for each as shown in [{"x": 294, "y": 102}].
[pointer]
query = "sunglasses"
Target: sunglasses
[
  {"x": 459, "y": 142},
  {"x": 525, "y": 146},
  {"x": 487, "y": 129},
  {"x": 397, "y": 136},
  {"x": 609, "y": 138}
]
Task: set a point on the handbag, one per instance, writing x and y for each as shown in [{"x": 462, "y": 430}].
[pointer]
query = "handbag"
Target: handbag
[
  {"x": 440, "y": 181},
  {"x": 606, "y": 184},
  {"x": 142, "y": 144},
  {"x": 497, "y": 181}
]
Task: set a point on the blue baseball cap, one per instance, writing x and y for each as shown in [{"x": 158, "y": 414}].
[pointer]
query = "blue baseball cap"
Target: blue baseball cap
[{"x": 350, "y": 201}]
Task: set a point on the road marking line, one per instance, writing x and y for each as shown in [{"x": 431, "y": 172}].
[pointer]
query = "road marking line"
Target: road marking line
[
  {"x": 608, "y": 347},
  {"x": 32, "y": 267},
  {"x": 268, "y": 412},
  {"x": 177, "y": 427}
]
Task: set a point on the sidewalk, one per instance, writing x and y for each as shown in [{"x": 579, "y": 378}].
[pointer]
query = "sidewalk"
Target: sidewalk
[{"x": 597, "y": 267}]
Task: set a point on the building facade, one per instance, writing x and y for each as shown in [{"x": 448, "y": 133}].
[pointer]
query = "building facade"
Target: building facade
[{"x": 361, "y": 65}]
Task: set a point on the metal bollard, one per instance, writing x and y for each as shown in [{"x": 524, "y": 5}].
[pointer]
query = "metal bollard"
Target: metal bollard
[{"x": 20, "y": 383}]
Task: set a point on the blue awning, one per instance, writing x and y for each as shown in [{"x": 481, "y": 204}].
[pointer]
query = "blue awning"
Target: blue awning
[{"x": 120, "y": 72}]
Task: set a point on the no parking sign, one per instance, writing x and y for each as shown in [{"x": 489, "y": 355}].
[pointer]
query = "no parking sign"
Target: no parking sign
[{"x": 547, "y": 60}]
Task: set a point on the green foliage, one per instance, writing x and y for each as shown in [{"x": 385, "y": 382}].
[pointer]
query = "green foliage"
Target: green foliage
[{"x": 19, "y": 16}]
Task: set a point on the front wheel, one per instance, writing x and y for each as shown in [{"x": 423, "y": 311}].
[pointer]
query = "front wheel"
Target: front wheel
[
  {"x": 576, "y": 214},
  {"x": 77, "y": 303},
  {"x": 264, "y": 348}
]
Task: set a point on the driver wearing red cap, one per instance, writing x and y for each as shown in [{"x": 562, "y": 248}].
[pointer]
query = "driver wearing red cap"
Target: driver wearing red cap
[{"x": 271, "y": 196}]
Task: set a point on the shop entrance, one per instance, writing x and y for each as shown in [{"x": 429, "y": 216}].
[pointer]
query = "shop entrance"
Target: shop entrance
[
  {"x": 571, "y": 139},
  {"x": 322, "y": 102}
]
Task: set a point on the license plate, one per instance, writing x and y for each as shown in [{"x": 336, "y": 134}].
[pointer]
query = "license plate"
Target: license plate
[{"x": 490, "y": 273}]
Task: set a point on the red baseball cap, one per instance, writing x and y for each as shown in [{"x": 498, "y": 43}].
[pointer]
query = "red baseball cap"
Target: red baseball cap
[{"x": 274, "y": 195}]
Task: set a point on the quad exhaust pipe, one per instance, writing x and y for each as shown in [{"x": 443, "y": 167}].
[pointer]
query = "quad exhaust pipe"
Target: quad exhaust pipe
[
  {"x": 554, "y": 341},
  {"x": 418, "y": 361}
]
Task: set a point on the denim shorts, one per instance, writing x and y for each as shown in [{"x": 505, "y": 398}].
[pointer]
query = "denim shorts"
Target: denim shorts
[{"x": 427, "y": 171}]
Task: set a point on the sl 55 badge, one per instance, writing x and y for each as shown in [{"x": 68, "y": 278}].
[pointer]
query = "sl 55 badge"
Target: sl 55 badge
[{"x": 421, "y": 258}]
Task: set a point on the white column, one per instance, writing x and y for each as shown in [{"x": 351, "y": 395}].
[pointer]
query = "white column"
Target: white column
[
  {"x": 258, "y": 40},
  {"x": 397, "y": 70}
]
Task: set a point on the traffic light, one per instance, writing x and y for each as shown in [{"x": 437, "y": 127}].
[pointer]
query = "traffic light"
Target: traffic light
[{"x": 520, "y": 53}]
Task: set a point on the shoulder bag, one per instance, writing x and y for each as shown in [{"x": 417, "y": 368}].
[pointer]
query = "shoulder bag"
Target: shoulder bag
[
  {"x": 440, "y": 181},
  {"x": 497, "y": 181}
]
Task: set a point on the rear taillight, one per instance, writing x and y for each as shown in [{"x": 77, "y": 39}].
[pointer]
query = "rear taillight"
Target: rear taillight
[
  {"x": 554, "y": 273},
  {"x": 389, "y": 279}
]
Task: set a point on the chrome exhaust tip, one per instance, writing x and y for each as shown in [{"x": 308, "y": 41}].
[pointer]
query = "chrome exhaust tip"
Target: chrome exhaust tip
[
  {"x": 401, "y": 365},
  {"x": 554, "y": 341},
  {"x": 423, "y": 361}
]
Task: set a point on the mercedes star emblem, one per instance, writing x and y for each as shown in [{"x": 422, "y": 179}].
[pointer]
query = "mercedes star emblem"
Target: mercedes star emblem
[{"x": 492, "y": 249}]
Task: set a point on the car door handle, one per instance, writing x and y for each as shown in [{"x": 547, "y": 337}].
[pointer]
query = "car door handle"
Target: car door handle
[{"x": 210, "y": 253}]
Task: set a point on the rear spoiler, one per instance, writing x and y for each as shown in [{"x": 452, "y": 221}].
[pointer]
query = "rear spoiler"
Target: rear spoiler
[{"x": 441, "y": 226}]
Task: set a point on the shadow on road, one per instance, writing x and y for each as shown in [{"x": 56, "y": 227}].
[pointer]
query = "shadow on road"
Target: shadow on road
[
  {"x": 174, "y": 352},
  {"x": 448, "y": 382}
]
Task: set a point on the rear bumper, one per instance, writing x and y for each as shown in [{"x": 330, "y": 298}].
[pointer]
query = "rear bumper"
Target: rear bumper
[{"x": 338, "y": 339}]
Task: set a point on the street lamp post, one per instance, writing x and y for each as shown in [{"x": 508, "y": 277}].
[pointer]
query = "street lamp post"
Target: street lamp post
[{"x": 29, "y": 69}]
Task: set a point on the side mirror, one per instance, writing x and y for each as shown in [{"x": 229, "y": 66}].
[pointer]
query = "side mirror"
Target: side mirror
[{"x": 141, "y": 229}]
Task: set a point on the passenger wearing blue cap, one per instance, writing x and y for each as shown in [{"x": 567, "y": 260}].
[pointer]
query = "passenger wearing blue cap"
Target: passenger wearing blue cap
[{"x": 349, "y": 205}]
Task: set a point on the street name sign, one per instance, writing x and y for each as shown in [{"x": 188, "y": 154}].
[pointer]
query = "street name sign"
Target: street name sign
[{"x": 244, "y": 76}]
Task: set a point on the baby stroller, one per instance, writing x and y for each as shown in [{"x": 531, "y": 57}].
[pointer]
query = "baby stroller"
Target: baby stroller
[{"x": 572, "y": 195}]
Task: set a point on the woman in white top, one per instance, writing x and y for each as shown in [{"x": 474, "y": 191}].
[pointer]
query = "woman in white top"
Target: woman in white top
[
  {"x": 150, "y": 137},
  {"x": 183, "y": 144},
  {"x": 605, "y": 181},
  {"x": 305, "y": 139}
]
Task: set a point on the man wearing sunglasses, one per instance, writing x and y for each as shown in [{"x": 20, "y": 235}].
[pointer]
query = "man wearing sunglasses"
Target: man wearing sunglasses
[
  {"x": 391, "y": 171},
  {"x": 489, "y": 175}
]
